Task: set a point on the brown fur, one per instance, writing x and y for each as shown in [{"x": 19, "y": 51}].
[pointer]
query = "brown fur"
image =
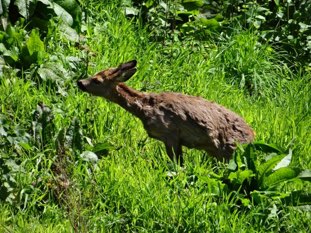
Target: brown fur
[{"x": 173, "y": 118}]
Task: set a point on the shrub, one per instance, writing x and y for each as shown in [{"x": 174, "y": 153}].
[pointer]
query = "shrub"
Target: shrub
[
  {"x": 284, "y": 24},
  {"x": 37, "y": 13}
]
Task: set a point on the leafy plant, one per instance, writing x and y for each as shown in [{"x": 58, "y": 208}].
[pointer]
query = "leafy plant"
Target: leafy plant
[
  {"x": 37, "y": 13},
  {"x": 9, "y": 170},
  {"x": 34, "y": 58},
  {"x": 18, "y": 141},
  {"x": 24, "y": 49},
  {"x": 43, "y": 128},
  {"x": 263, "y": 180},
  {"x": 284, "y": 25},
  {"x": 176, "y": 19},
  {"x": 20, "y": 49}
]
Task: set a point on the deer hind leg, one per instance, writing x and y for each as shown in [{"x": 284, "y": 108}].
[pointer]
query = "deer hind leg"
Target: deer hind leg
[{"x": 174, "y": 151}]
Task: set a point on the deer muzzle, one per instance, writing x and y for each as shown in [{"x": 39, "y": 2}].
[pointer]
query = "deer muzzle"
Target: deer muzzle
[{"x": 81, "y": 85}]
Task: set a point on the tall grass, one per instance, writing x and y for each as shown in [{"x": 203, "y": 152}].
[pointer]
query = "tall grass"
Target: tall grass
[{"x": 135, "y": 187}]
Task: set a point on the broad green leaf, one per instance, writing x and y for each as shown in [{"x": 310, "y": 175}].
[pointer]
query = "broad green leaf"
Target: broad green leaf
[
  {"x": 46, "y": 73},
  {"x": 52, "y": 71},
  {"x": 232, "y": 165},
  {"x": 11, "y": 56},
  {"x": 266, "y": 168},
  {"x": 63, "y": 14},
  {"x": 4, "y": 6},
  {"x": 239, "y": 177},
  {"x": 281, "y": 175},
  {"x": 305, "y": 208},
  {"x": 280, "y": 195},
  {"x": 15, "y": 36},
  {"x": 102, "y": 148},
  {"x": 249, "y": 158},
  {"x": 73, "y": 8},
  {"x": 233, "y": 176},
  {"x": 68, "y": 5},
  {"x": 214, "y": 186},
  {"x": 23, "y": 7},
  {"x": 259, "y": 197},
  {"x": 267, "y": 195},
  {"x": 164, "y": 5},
  {"x": 3, "y": 132},
  {"x": 256, "y": 24},
  {"x": 303, "y": 27},
  {"x": 34, "y": 43},
  {"x": 69, "y": 33},
  {"x": 267, "y": 148},
  {"x": 12, "y": 165},
  {"x": 25, "y": 145},
  {"x": 285, "y": 161},
  {"x": 192, "y": 4},
  {"x": 89, "y": 156},
  {"x": 149, "y": 3},
  {"x": 305, "y": 175},
  {"x": 131, "y": 11},
  {"x": 245, "y": 201},
  {"x": 260, "y": 17},
  {"x": 208, "y": 22}
]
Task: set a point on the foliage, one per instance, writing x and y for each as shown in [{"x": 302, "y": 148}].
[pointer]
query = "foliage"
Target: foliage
[
  {"x": 284, "y": 24},
  {"x": 175, "y": 19},
  {"x": 71, "y": 162},
  {"x": 34, "y": 58},
  {"x": 20, "y": 49},
  {"x": 24, "y": 26},
  {"x": 263, "y": 180},
  {"x": 16, "y": 138},
  {"x": 68, "y": 141},
  {"x": 37, "y": 13}
]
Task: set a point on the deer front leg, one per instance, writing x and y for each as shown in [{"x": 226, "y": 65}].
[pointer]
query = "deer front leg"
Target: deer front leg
[{"x": 174, "y": 151}]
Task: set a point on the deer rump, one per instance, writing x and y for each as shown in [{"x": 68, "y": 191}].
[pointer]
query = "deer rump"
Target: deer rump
[{"x": 182, "y": 120}]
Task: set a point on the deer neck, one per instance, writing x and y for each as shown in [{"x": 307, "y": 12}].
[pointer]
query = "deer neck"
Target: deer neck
[{"x": 129, "y": 99}]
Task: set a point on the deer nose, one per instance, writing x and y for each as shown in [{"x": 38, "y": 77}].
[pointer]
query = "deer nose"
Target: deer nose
[{"x": 81, "y": 86}]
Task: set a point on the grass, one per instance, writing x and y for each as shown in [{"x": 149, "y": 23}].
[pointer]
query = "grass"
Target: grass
[{"x": 135, "y": 187}]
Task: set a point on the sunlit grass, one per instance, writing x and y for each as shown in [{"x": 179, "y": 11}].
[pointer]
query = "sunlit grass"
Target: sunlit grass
[{"x": 135, "y": 187}]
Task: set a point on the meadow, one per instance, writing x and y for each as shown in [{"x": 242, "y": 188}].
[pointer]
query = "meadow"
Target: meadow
[{"x": 52, "y": 182}]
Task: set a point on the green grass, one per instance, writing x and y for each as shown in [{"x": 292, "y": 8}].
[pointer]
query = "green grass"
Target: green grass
[{"x": 129, "y": 189}]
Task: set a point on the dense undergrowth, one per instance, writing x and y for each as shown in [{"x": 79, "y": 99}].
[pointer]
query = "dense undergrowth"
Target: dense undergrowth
[{"x": 52, "y": 181}]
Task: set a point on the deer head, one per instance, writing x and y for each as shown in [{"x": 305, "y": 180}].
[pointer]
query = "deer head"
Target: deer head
[{"x": 102, "y": 83}]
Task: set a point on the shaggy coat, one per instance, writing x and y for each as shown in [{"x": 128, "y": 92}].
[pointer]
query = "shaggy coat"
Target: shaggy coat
[{"x": 173, "y": 118}]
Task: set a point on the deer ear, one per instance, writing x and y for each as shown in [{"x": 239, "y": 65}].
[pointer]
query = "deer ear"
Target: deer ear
[{"x": 125, "y": 71}]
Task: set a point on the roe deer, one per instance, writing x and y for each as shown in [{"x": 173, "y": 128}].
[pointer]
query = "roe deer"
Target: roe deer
[{"x": 173, "y": 118}]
